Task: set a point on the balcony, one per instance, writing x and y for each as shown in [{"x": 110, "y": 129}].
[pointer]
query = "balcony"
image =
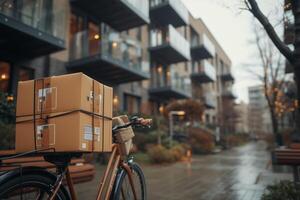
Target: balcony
[
  {"x": 227, "y": 76},
  {"x": 210, "y": 100},
  {"x": 164, "y": 12},
  {"x": 170, "y": 88},
  {"x": 168, "y": 46},
  {"x": 31, "y": 29},
  {"x": 202, "y": 48},
  {"x": 113, "y": 59},
  {"x": 228, "y": 93},
  {"x": 203, "y": 72},
  {"x": 119, "y": 14}
]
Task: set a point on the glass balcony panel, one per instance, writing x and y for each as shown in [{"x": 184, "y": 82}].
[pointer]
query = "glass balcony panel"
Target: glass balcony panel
[
  {"x": 180, "y": 47},
  {"x": 179, "y": 42},
  {"x": 208, "y": 44},
  {"x": 177, "y": 5},
  {"x": 46, "y": 16},
  {"x": 210, "y": 100},
  {"x": 166, "y": 78},
  {"x": 119, "y": 48},
  {"x": 140, "y": 5},
  {"x": 202, "y": 47},
  {"x": 204, "y": 69}
]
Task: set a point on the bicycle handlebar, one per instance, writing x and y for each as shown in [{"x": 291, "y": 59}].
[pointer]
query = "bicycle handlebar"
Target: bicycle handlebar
[{"x": 135, "y": 121}]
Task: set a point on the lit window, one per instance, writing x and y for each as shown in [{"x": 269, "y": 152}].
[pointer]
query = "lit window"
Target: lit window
[{"x": 4, "y": 76}]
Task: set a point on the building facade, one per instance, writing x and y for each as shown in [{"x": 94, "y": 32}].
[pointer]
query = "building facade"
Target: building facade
[
  {"x": 241, "y": 124},
  {"x": 259, "y": 114},
  {"x": 150, "y": 51}
]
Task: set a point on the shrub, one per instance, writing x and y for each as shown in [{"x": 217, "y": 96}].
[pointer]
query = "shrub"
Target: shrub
[
  {"x": 286, "y": 190},
  {"x": 142, "y": 140},
  {"x": 160, "y": 154},
  {"x": 7, "y": 135},
  {"x": 177, "y": 152},
  {"x": 201, "y": 141},
  {"x": 7, "y": 122}
]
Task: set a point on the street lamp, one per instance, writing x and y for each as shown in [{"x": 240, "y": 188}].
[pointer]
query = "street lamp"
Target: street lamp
[{"x": 171, "y": 113}]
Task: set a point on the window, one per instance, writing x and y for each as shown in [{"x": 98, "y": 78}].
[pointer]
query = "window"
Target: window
[
  {"x": 132, "y": 104},
  {"x": 76, "y": 37},
  {"x": 4, "y": 76},
  {"x": 207, "y": 118},
  {"x": 94, "y": 38}
]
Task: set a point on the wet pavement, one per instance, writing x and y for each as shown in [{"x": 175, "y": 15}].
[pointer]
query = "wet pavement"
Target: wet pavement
[{"x": 237, "y": 174}]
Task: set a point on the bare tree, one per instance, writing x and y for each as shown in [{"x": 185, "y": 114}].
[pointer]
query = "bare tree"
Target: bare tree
[
  {"x": 272, "y": 76},
  {"x": 292, "y": 56}
]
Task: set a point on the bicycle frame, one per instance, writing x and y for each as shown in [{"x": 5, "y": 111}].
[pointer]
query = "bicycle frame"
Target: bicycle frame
[{"x": 107, "y": 180}]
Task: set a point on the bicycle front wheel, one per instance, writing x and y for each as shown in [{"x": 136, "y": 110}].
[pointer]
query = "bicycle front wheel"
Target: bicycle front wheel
[
  {"x": 29, "y": 187},
  {"x": 122, "y": 188}
]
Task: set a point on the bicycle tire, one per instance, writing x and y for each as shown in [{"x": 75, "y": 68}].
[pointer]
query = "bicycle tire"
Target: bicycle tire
[
  {"x": 43, "y": 183},
  {"x": 121, "y": 182}
]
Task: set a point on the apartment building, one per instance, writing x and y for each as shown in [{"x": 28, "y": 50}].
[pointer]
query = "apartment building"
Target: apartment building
[
  {"x": 211, "y": 76},
  {"x": 242, "y": 126},
  {"x": 169, "y": 50},
  {"x": 43, "y": 38},
  {"x": 150, "y": 51},
  {"x": 259, "y": 114}
]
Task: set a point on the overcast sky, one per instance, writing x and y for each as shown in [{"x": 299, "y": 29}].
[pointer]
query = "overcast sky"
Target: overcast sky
[{"x": 233, "y": 29}]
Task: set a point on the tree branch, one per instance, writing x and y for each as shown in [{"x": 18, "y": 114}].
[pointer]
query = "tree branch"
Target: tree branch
[{"x": 257, "y": 13}]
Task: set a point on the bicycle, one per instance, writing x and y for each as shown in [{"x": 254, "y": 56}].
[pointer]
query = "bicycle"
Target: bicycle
[{"x": 123, "y": 178}]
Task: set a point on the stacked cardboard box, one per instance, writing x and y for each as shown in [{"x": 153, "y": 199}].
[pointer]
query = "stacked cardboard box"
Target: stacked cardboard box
[{"x": 67, "y": 113}]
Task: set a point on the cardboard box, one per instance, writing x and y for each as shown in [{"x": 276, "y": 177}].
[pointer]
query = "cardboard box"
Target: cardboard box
[
  {"x": 65, "y": 108},
  {"x": 64, "y": 133},
  {"x": 63, "y": 93}
]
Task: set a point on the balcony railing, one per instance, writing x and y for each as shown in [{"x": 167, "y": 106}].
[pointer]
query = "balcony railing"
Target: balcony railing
[
  {"x": 140, "y": 5},
  {"x": 203, "y": 72},
  {"x": 210, "y": 100},
  {"x": 36, "y": 25},
  {"x": 119, "y": 14},
  {"x": 228, "y": 92},
  {"x": 107, "y": 52},
  {"x": 164, "y": 12},
  {"x": 202, "y": 48},
  {"x": 171, "y": 87},
  {"x": 169, "y": 45}
]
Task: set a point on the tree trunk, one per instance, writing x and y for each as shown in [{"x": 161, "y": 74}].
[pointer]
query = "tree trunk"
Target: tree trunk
[
  {"x": 296, "y": 63},
  {"x": 278, "y": 136}
]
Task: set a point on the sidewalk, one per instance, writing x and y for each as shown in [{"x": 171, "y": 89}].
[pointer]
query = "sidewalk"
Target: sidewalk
[{"x": 237, "y": 174}]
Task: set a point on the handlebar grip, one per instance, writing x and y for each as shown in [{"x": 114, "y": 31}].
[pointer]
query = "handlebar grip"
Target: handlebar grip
[{"x": 145, "y": 122}]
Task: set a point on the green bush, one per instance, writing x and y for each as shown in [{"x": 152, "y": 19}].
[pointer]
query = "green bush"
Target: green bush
[
  {"x": 160, "y": 154},
  {"x": 201, "y": 141},
  {"x": 7, "y": 135},
  {"x": 7, "y": 109},
  {"x": 142, "y": 140},
  {"x": 7, "y": 122},
  {"x": 177, "y": 151},
  {"x": 284, "y": 190}
]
